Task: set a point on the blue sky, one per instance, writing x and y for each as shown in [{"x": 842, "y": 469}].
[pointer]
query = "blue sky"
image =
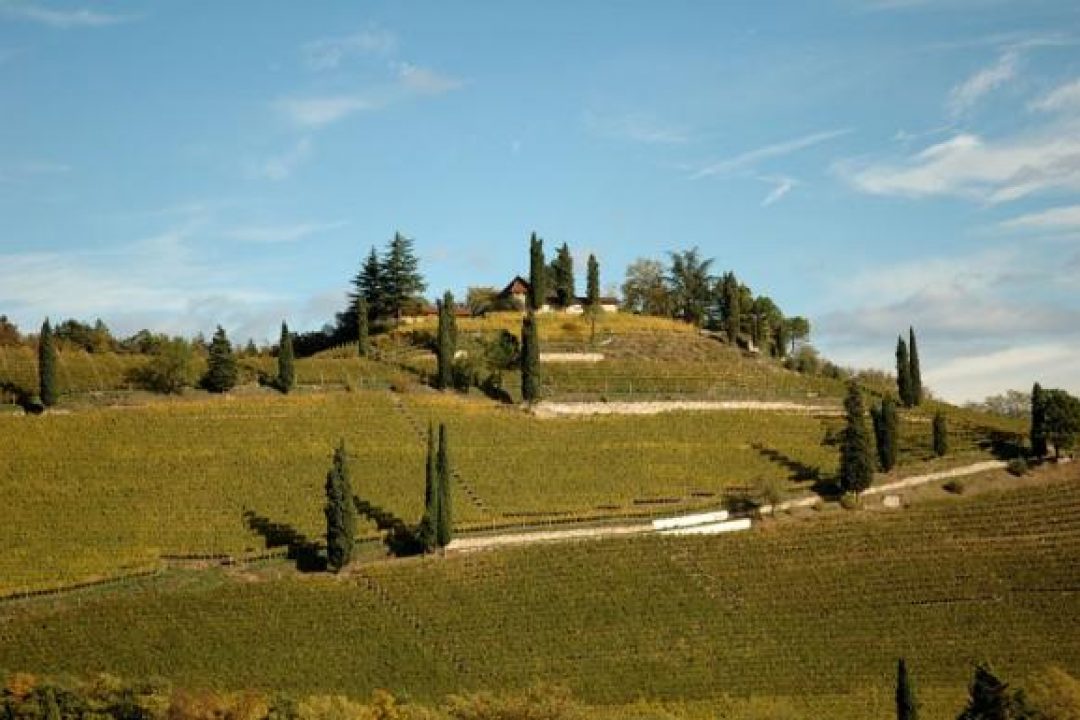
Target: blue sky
[{"x": 868, "y": 163}]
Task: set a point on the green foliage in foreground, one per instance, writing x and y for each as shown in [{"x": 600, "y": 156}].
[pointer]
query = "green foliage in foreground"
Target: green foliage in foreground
[
  {"x": 340, "y": 512},
  {"x": 856, "y": 465},
  {"x": 670, "y": 619}
]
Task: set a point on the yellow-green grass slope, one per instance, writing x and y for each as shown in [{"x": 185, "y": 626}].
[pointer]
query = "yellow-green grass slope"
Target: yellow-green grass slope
[
  {"x": 102, "y": 491},
  {"x": 809, "y": 614}
]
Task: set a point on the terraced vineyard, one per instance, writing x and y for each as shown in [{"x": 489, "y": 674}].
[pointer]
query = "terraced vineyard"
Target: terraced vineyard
[{"x": 810, "y": 613}]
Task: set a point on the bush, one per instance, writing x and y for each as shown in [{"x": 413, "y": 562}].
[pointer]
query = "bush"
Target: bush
[
  {"x": 170, "y": 371},
  {"x": 956, "y": 487},
  {"x": 849, "y": 501},
  {"x": 1018, "y": 467}
]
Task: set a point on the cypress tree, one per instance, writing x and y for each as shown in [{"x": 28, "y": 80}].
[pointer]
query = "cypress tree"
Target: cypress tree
[
  {"x": 886, "y": 429},
  {"x": 429, "y": 533},
  {"x": 562, "y": 274},
  {"x": 47, "y": 366},
  {"x": 340, "y": 512},
  {"x": 988, "y": 697},
  {"x": 731, "y": 305},
  {"x": 221, "y": 372},
  {"x": 856, "y": 466},
  {"x": 941, "y": 434},
  {"x": 903, "y": 372},
  {"x": 445, "y": 525},
  {"x": 446, "y": 343},
  {"x": 530, "y": 359},
  {"x": 363, "y": 344},
  {"x": 592, "y": 286},
  {"x": 537, "y": 274},
  {"x": 286, "y": 373},
  {"x": 915, "y": 375},
  {"x": 906, "y": 706},
  {"x": 1038, "y": 421}
]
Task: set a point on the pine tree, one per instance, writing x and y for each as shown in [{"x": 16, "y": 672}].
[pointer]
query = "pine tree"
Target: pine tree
[
  {"x": 370, "y": 284},
  {"x": 592, "y": 287},
  {"x": 221, "y": 371},
  {"x": 286, "y": 373},
  {"x": 907, "y": 708},
  {"x": 400, "y": 275},
  {"x": 530, "y": 359},
  {"x": 47, "y": 366},
  {"x": 446, "y": 343},
  {"x": 340, "y": 512},
  {"x": 886, "y": 429},
  {"x": 563, "y": 276},
  {"x": 363, "y": 343},
  {"x": 856, "y": 466},
  {"x": 903, "y": 372},
  {"x": 915, "y": 375},
  {"x": 941, "y": 434},
  {"x": 1038, "y": 422},
  {"x": 428, "y": 533},
  {"x": 537, "y": 274},
  {"x": 445, "y": 526}
]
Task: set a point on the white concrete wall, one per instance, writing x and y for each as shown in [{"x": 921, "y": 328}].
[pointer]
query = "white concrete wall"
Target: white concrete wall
[
  {"x": 690, "y": 520},
  {"x": 711, "y": 528}
]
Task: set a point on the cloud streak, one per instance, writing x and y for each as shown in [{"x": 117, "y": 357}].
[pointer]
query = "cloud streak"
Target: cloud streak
[
  {"x": 635, "y": 127},
  {"x": 273, "y": 234},
  {"x": 965, "y": 95},
  {"x": 330, "y": 53},
  {"x": 62, "y": 19},
  {"x": 783, "y": 185},
  {"x": 750, "y": 158}
]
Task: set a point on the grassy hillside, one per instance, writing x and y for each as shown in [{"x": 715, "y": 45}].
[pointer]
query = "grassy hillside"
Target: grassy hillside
[
  {"x": 102, "y": 490},
  {"x": 814, "y": 611}
]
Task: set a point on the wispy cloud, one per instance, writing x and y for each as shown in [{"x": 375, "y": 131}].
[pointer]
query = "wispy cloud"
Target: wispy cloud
[
  {"x": 63, "y": 19},
  {"x": 636, "y": 127},
  {"x": 280, "y": 167},
  {"x": 329, "y": 53},
  {"x": 1067, "y": 217},
  {"x": 316, "y": 111},
  {"x": 271, "y": 234},
  {"x": 965, "y": 95},
  {"x": 782, "y": 186},
  {"x": 750, "y": 158},
  {"x": 1063, "y": 97}
]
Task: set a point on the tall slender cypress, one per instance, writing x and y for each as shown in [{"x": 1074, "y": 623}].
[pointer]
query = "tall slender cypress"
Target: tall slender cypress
[
  {"x": 941, "y": 434},
  {"x": 340, "y": 512},
  {"x": 731, "y": 305},
  {"x": 429, "y": 533},
  {"x": 445, "y": 525},
  {"x": 915, "y": 375},
  {"x": 537, "y": 274},
  {"x": 286, "y": 374},
  {"x": 592, "y": 285},
  {"x": 530, "y": 359},
  {"x": 47, "y": 366},
  {"x": 856, "y": 465},
  {"x": 886, "y": 428},
  {"x": 1038, "y": 421},
  {"x": 563, "y": 275},
  {"x": 907, "y": 708},
  {"x": 446, "y": 343},
  {"x": 363, "y": 329},
  {"x": 903, "y": 372}
]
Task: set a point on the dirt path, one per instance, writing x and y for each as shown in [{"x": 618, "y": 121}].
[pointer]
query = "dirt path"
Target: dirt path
[
  {"x": 548, "y": 410},
  {"x": 485, "y": 542}
]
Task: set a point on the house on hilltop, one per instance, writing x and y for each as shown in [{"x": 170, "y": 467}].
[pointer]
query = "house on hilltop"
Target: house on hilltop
[{"x": 516, "y": 293}]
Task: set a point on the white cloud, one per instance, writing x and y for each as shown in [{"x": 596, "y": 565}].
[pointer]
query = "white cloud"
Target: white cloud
[
  {"x": 1063, "y": 97},
  {"x": 965, "y": 95},
  {"x": 969, "y": 166},
  {"x": 280, "y": 167},
  {"x": 750, "y": 158},
  {"x": 637, "y": 127},
  {"x": 317, "y": 111},
  {"x": 782, "y": 186},
  {"x": 282, "y": 233},
  {"x": 976, "y": 376},
  {"x": 1054, "y": 218},
  {"x": 63, "y": 19},
  {"x": 426, "y": 81},
  {"x": 329, "y": 53}
]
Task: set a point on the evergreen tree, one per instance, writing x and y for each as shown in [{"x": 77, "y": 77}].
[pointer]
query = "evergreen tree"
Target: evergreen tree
[
  {"x": 1038, "y": 422},
  {"x": 562, "y": 276},
  {"x": 730, "y": 306},
  {"x": 286, "y": 372},
  {"x": 915, "y": 374},
  {"x": 400, "y": 275},
  {"x": 941, "y": 434},
  {"x": 886, "y": 429},
  {"x": 530, "y": 359},
  {"x": 446, "y": 343},
  {"x": 428, "y": 533},
  {"x": 856, "y": 466},
  {"x": 445, "y": 526},
  {"x": 592, "y": 286},
  {"x": 363, "y": 343},
  {"x": 368, "y": 284},
  {"x": 537, "y": 274},
  {"x": 1061, "y": 420},
  {"x": 221, "y": 371},
  {"x": 340, "y": 512},
  {"x": 907, "y": 708},
  {"x": 780, "y": 339},
  {"x": 903, "y": 372},
  {"x": 47, "y": 366},
  {"x": 989, "y": 698}
]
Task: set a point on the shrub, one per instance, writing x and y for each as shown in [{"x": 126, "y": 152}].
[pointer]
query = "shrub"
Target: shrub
[
  {"x": 170, "y": 371},
  {"x": 849, "y": 501},
  {"x": 1017, "y": 467},
  {"x": 956, "y": 487}
]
